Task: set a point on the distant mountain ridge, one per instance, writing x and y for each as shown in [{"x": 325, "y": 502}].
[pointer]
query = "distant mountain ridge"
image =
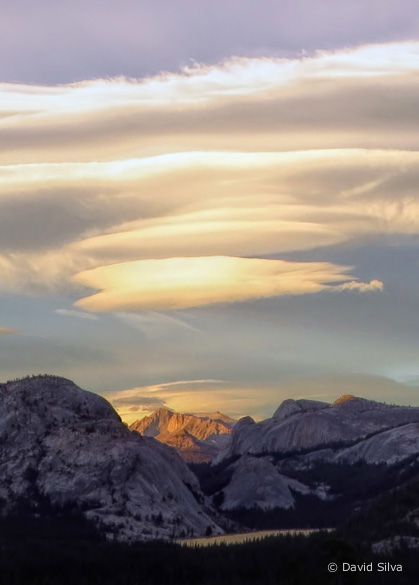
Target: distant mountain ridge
[
  {"x": 308, "y": 424},
  {"x": 196, "y": 437},
  {"x": 277, "y": 458}
]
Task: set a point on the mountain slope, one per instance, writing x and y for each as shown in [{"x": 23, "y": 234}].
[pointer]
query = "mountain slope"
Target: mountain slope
[
  {"x": 69, "y": 446},
  {"x": 313, "y": 462},
  {"x": 307, "y": 424},
  {"x": 246, "y": 490}
]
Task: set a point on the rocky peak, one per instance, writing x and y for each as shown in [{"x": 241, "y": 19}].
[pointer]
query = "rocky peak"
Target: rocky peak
[
  {"x": 289, "y": 407},
  {"x": 350, "y": 405},
  {"x": 163, "y": 412},
  {"x": 344, "y": 398},
  {"x": 217, "y": 416},
  {"x": 243, "y": 428},
  {"x": 243, "y": 422},
  {"x": 195, "y": 437},
  {"x": 55, "y": 400}
]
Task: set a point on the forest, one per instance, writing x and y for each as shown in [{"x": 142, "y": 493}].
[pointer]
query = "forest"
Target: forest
[{"x": 62, "y": 548}]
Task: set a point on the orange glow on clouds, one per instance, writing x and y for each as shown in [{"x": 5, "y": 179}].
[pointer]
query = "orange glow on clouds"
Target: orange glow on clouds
[{"x": 178, "y": 283}]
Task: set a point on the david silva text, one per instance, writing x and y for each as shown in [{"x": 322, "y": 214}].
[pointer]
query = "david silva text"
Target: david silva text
[{"x": 370, "y": 567}]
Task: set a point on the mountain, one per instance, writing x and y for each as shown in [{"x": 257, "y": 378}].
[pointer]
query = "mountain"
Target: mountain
[
  {"x": 196, "y": 437},
  {"x": 313, "y": 463},
  {"x": 217, "y": 416},
  {"x": 307, "y": 425},
  {"x": 61, "y": 447}
]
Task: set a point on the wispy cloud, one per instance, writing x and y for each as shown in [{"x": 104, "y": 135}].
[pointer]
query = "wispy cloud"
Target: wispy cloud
[
  {"x": 155, "y": 325},
  {"x": 179, "y": 395},
  {"x": 183, "y": 383},
  {"x": 373, "y": 286},
  {"x": 137, "y": 400},
  {"x": 77, "y": 314}
]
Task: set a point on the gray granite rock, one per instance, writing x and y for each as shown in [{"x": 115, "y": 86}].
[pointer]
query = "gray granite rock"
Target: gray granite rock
[{"x": 69, "y": 445}]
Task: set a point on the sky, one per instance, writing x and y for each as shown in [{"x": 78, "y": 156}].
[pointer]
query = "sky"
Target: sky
[{"x": 211, "y": 206}]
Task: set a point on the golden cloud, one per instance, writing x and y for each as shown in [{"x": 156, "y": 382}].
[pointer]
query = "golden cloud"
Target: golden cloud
[{"x": 178, "y": 283}]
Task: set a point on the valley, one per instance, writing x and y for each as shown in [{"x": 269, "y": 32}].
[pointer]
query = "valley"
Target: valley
[{"x": 73, "y": 473}]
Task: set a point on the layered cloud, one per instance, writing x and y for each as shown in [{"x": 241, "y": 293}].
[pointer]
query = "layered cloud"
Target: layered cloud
[
  {"x": 344, "y": 98},
  {"x": 172, "y": 191}
]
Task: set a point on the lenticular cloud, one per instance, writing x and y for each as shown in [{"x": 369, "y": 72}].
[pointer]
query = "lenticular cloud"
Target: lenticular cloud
[{"x": 209, "y": 171}]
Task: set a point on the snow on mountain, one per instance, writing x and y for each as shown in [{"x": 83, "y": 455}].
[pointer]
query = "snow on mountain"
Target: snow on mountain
[{"x": 68, "y": 445}]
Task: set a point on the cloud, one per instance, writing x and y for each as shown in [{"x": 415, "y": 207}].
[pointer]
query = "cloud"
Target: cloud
[
  {"x": 182, "y": 384},
  {"x": 248, "y": 204},
  {"x": 7, "y": 331},
  {"x": 164, "y": 388},
  {"x": 154, "y": 325},
  {"x": 131, "y": 408},
  {"x": 328, "y": 100},
  {"x": 179, "y": 283},
  {"x": 77, "y": 314},
  {"x": 244, "y": 159},
  {"x": 46, "y": 273},
  {"x": 136, "y": 400},
  {"x": 374, "y": 285},
  {"x": 257, "y": 399}
]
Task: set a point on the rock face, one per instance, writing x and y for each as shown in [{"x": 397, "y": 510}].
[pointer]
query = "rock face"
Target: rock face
[
  {"x": 68, "y": 445},
  {"x": 256, "y": 482},
  {"x": 290, "y": 407},
  {"x": 307, "y": 424},
  {"x": 263, "y": 461},
  {"x": 385, "y": 447},
  {"x": 197, "y": 438},
  {"x": 389, "y": 447}
]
